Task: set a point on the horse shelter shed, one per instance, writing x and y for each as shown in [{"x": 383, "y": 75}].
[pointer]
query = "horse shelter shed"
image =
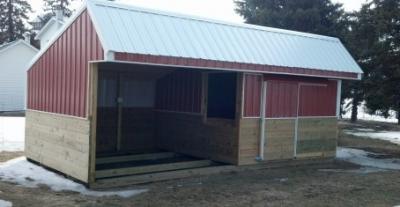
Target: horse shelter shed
[{"x": 128, "y": 95}]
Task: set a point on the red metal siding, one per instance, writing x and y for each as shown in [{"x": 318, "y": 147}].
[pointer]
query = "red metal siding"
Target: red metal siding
[
  {"x": 252, "y": 95},
  {"x": 57, "y": 82},
  {"x": 281, "y": 99},
  {"x": 180, "y": 91},
  {"x": 190, "y": 62},
  {"x": 317, "y": 96},
  {"x": 318, "y": 99}
]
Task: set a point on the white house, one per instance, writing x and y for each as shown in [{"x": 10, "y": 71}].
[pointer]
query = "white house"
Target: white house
[
  {"x": 47, "y": 32},
  {"x": 14, "y": 58}
]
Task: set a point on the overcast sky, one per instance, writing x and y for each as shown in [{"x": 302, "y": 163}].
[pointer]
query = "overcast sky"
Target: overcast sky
[{"x": 214, "y": 9}]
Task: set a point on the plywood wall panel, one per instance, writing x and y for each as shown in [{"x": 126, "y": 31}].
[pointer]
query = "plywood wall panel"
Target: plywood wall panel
[{"x": 59, "y": 142}]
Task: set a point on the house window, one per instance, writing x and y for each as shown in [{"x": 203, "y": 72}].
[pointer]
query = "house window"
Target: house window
[{"x": 221, "y": 95}]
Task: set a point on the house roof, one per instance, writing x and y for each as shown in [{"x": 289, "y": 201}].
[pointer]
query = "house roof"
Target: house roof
[
  {"x": 128, "y": 29},
  {"x": 49, "y": 23},
  {"x": 6, "y": 46}
]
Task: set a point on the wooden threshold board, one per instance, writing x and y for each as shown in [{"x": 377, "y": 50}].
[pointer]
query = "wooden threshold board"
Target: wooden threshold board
[
  {"x": 152, "y": 168},
  {"x": 128, "y": 158},
  {"x": 160, "y": 176}
]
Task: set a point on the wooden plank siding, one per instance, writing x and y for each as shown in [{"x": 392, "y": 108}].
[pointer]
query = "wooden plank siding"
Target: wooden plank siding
[
  {"x": 317, "y": 137},
  {"x": 249, "y": 140},
  {"x": 188, "y": 134},
  {"x": 59, "y": 142},
  {"x": 280, "y": 137}
]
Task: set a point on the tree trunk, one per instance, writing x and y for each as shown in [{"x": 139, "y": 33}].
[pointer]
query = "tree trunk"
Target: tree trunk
[
  {"x": 10, "y": 23},
  {"x": 398, "y": 117},
  {"x": 354, "y": 109}
]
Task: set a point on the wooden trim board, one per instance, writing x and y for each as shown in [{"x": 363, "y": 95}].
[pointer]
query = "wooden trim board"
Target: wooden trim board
[
  {"x": 127, "y": 158},
  {"x": 152, "y": 168},
  {"x": 92, "y": 109}
]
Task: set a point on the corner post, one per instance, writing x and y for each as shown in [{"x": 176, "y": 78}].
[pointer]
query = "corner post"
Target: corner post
[{"x": 92, "y": 115}]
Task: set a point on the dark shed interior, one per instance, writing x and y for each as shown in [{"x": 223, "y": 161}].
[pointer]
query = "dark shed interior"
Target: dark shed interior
[{"x": 163, "y": 118}]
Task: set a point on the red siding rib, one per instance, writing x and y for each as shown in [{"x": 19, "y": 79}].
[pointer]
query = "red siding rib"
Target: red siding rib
[
  {"x": 180, "y": 91},
  {"x": 190, "y": 62},
  {"x": 57, "y": 82},
  {"x": 252, "y": 95}
]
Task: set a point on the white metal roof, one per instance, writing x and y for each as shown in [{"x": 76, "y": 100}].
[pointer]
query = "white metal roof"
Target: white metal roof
[{"x": 129, "y": 29}]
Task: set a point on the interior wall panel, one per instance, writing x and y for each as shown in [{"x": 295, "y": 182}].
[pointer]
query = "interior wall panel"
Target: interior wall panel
[{"x": 179, "y": 91}]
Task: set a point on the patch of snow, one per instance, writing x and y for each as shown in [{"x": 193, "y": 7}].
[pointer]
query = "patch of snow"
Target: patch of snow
[
  {"x": 364, "y": 129},
  {"x": 363, "y": 158},
  {"x": 391, "y": 136},
  {"x": 363, "y": 115},
  {"x": 12, "y": 133},
  {"x": 27, "y": 174},
  {"x": 4, "y": 203}
]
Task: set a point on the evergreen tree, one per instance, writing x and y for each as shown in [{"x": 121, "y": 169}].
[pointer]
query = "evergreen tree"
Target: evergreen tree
[
  {"x": 314, "y": 16},
  {"x": 63, "y": 5},
  {"x": 384, "y": 85},
  {"x": 13, "y": 14},
  {"x": 360, "y": 39}
]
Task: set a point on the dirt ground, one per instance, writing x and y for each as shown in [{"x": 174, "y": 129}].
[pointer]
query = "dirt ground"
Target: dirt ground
[{"x": 294, "y": 186}]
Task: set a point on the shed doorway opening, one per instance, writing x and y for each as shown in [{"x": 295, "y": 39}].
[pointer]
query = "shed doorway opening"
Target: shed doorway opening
[
  {"x": 150, "y": 119},
  {"x": 221, "y": 101}
]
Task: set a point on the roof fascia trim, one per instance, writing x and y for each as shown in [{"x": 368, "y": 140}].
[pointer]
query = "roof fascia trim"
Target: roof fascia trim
[{"x": 97, "y": 28}]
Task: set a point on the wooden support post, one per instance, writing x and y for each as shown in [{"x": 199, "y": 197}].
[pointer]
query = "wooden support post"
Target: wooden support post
[
  {"x": 120, "y": 107},
  {"x": 204, "y": 95},
  {"x": 92, "y": 114}
]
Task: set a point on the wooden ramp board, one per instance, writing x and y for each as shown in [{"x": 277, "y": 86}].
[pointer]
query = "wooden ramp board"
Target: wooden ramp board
[
  {"x": 152, "y": 168},
  {"x": 160, "y": 176},
  {"x": 204, "y": 171},
  {"x": 138, "y": 157}
]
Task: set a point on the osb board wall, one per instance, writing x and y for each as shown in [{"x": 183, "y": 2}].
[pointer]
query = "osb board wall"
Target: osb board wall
[
  {"x": 188, "y": 134},
  {"x": 59, "y": 142},
  {"x": 279, "y": 139},
  {"x": 317, "y": 137}
]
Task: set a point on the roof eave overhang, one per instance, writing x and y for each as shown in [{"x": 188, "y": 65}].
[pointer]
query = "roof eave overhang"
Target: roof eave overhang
[{"x": 181, "y": 62}]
